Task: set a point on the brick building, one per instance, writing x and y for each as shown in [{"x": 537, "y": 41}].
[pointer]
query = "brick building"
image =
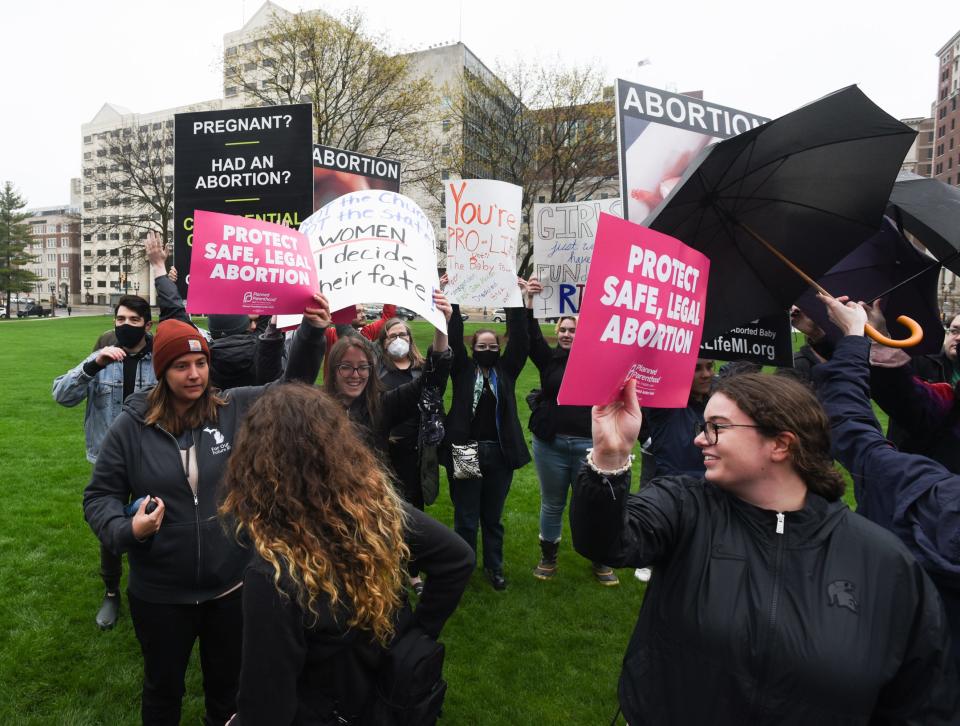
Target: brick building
[{"x": 946, "y": 152}]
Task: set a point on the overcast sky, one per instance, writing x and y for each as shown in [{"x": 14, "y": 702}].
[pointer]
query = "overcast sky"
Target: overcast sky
[{"x": 62, "y": 61}]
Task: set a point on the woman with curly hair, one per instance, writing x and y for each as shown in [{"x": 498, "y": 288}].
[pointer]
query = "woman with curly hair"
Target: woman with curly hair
[{"x": 331, "y": 539}]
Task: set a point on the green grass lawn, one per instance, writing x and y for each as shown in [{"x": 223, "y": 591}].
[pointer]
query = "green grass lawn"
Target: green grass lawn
[{"x": 539, "y": 653}]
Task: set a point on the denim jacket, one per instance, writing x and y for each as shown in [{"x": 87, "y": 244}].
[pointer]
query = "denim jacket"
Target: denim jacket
[{"x": 104, "y": 394}]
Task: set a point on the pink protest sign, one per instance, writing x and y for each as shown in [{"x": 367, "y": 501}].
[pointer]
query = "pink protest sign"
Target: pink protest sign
[
  {"x": 641, "y": 317},
  {"x": 242, "y": 265}
]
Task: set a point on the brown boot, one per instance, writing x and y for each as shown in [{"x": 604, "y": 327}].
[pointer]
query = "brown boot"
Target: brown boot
[
  {"x": 547, "y": 567},
  {"x": 605, "y": 575}
]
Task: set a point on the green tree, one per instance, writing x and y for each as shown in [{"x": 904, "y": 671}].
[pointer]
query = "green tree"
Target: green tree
[
  {"x": 549, "y": 129},
  {"x": 14, "y": 243},
  {"x": 364, "y": 99}
]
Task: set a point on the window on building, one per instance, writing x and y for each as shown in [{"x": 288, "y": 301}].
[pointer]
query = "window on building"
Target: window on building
[
  {"x": 64, "y": 242},
  {"x": 51, "y": 272},
  {"x": 230, "y": 91},
  {"x": 64, "y": 256},
  {"x": 88, "y": 268},
  {"x": 443, "y": 222},
  {"x": 51, "y": 243},
  {"x": 101, "y": 283},
  {"x": 87, "y": 139},
  {"x": 64, "y": 273},
  {"x": 101, "y": 268},
  {"x": 51, "y": 258},
  {"x": 101, "y": 236}
]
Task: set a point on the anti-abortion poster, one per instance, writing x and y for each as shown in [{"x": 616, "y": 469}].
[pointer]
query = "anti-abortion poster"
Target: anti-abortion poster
[
  {"x": 244, "y": 265},
  {"x": 767, "y": 341},
  {"x": 251, "y": 162},
  {"x": 375, "y": 246},
  {"x": 659, "y": 133},
  {"x": 563, "y": 237},
  {"x": 337, "y": 172},
  {"x": 641, "y": 318},
  {"x": 483, "y": 228}
]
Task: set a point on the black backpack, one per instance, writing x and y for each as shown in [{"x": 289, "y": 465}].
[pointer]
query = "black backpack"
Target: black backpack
[{"x": 409, "y": 688}]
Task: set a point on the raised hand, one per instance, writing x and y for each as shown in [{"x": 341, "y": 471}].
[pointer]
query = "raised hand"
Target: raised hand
[
  {"x": 615, "y": 429},
  {"x": 848, "y": 316},
  {"x": 318, "y": 315},
  {"x": 108, "y": 355}
]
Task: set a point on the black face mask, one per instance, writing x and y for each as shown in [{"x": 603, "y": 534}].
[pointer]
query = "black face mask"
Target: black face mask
[
  {"x": 486, "y": 358},
  {"x": 129, "y": 336}
]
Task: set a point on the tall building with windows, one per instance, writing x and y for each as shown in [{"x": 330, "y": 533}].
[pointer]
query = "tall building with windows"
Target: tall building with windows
[
  {"x": 919, "y": 159},
  {"x": 946, "y": 151},
  {"x": 55, "y": 243}
]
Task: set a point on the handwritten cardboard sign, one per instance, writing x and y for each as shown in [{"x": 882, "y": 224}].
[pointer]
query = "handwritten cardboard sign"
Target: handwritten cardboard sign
[
  {"x": 642, "y": 318},
  {"x": 563, "y": 236},
  {"x": 244, "y": 265},
  {"x": 483, "y": 227},
  {"x": 375, "y": 246}
]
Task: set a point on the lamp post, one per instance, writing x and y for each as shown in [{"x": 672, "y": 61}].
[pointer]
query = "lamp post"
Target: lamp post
[{"x": 53, "y": 299}]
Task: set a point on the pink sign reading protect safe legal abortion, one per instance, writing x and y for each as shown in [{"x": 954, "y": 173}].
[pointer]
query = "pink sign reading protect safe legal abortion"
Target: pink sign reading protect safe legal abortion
[
  {"x": 641, "y": 317},
  {"x": 242, "y": 265}
]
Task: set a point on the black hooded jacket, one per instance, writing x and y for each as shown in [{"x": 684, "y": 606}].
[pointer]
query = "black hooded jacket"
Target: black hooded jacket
[
  {"x": 831, "y": 621},
  {"x": 194, "y": 556}
]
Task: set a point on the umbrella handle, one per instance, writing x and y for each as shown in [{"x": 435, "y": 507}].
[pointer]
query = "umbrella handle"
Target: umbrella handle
[{"x": 916, "y": 334}]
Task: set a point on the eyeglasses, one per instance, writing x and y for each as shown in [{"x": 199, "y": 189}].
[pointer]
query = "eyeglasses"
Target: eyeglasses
[
  {"x": 953, "y": 331},
  {"x": 345, "y": 369},
  {"x": 483, "y": 346},
  {"x": 394, "y": 336},
  {"x": 711, "y": 430}
]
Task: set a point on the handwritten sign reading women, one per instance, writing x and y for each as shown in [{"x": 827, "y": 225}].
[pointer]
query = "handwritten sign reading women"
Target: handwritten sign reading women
[
  {"x": 642, "y": 318},
  {"x": 483, "y": 226}
]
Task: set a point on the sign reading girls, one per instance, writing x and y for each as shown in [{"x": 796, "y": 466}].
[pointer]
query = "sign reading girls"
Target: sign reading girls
[
  {"x": 483, "y": 226},
  {"x": 243, "y": 265},
  {"x": 642, "y": 318}
]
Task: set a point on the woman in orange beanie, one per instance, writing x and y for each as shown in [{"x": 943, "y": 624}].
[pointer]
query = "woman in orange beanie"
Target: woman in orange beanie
[{"x": 166, "y": 453}]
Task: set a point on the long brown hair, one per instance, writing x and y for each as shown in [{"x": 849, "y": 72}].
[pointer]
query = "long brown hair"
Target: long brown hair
[
  {"x": 326, "y": 517},
  {"x": 374, "y": 388},
  {"x": 161, "y": 411},
  {"x": 414, "y": 355},
  {"x": 778, "y": 404}
]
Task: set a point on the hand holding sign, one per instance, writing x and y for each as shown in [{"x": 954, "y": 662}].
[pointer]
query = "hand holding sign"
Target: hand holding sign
[
  {"x": 615, "y": 429},
  {"x": 319, "y": 315}
]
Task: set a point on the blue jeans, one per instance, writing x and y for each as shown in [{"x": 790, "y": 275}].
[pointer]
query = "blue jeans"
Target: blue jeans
[
  {"x": 478, "y": 504},
  {"x": 558, "y": 463}
]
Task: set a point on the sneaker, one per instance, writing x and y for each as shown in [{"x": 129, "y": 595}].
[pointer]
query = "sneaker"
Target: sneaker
[
  {"x": 605, "y": 576},
  {"x": 108, "y": 612},
  {"x": 643, "y": 574},
  {"x": 497, "y": 580}
]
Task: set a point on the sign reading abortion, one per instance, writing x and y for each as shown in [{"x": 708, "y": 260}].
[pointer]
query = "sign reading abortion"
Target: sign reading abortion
[
  {"x": 483, "y": 226},
  {"x": 659, "y": 134},
  {"x": 766, "y": 341},
  {"x": 642, "y": 318},
  {"x": 375, "y": 246},
  {"x": 251, "y": 162},
  {"x": 563, "y": 237},
  {"x": 247, "y": 266},
  {"x": 337, "y": 172}
]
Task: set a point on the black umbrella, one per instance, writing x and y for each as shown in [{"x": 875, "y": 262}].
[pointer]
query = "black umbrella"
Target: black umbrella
[
  {"x": 808, "y": 187},
  {"x": 930, "y": 211},
  {"x": 886, "y": 265}
]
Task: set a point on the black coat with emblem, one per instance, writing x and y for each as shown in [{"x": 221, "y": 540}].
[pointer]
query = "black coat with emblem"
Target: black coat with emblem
[
  {"x": 194, "y": 557},
  {"x": 831, "y": 621}
]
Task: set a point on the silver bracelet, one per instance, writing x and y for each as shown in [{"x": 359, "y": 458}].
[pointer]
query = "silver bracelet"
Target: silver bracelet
[{"x": 614, "y": 472}]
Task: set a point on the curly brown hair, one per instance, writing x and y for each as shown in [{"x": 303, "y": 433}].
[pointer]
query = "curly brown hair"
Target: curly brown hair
[
  {"x": 330, "y": 522},
  {"x": 777, "y": 404}
]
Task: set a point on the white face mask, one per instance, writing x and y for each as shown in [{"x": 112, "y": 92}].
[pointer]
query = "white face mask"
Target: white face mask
[{"x": 398, "y": 348}]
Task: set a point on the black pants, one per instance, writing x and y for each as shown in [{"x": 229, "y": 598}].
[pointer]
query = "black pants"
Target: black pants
[
  {"x": 167, "y": 634},
  {"x": 111, "y": 568},
  {"x": 405, "y": 460}
]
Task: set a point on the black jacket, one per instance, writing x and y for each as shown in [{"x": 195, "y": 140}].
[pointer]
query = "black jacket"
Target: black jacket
[
  {"x": 397, "y": 404},
  {"x": 192, "y": 558},
  {"x": 464, "y": 374},
  {"x": 295, "y": 670},
  {"x": 550, "y": 418},
  {"x": 830, "y": 622}
]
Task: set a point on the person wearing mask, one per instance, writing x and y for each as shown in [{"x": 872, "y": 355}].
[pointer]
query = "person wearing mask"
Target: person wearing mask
[
  {"x": 777, "y": 601},
  {"x": 351, "y": 378},
  {"x": 166, "y": 453},
  {"x": 104, "y": 380},
  {"x": 484, "y": 440},
  {"x": 324, "y": 592},
  {"x": 561, "y": 438}
]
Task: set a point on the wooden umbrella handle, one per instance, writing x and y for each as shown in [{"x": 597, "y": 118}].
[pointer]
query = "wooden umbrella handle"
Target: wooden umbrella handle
[{"x": 916, "y": 334}]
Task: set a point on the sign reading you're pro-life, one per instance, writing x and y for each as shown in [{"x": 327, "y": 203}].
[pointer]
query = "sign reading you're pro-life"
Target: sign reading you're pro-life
[
  {"x": 483, "y": 227},
  {"x": 642, "y": 318}
]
